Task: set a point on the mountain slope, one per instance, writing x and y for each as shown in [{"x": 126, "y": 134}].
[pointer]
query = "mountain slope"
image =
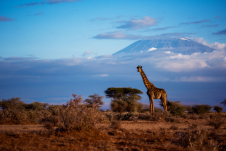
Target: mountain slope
[{"x": 177, "y": 45}]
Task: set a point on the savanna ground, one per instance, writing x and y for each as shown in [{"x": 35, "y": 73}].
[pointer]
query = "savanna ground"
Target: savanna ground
[
  {"x": 78, "y": 127},
  {"x": 175, "y": 133}
]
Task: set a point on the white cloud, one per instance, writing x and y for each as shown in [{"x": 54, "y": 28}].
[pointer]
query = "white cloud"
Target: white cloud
[
  {"x": 164, "y": 63},
  {"x": 180, "y": 56},
  {"x": 175, "y": 62},
  {"x": 215, "y": 45},
  {"x": 117, "y": 35},
  {"x": 103, "y": 75},
  {"x": 138, "y": 24},
  {"x": 87, "y": 53},
  {"x": 152, "y": 49},
  {"x": 197, "y": 79}
]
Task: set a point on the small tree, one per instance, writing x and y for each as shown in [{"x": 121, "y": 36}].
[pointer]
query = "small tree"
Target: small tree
[
  {"x": 218, "y": 109},
  {"x": 124, "y": 99},
  {"x": 201, "y": 109},
  {"x": 12, "y": 104},
  {"x": 94, "y": 100},
  {"x": 224, "y": 102},
  {"x": 75, "y": 102}
]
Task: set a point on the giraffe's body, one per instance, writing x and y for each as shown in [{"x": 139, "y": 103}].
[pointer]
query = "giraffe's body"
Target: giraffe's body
[{"x": 152, "y": 91}]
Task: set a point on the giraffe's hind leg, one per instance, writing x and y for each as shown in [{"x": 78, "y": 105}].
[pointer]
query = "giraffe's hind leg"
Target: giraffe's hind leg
[{"x": 163, "y": 100}]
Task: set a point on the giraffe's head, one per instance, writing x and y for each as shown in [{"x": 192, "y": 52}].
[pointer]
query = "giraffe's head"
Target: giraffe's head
[{"x": 139, "y": 68}]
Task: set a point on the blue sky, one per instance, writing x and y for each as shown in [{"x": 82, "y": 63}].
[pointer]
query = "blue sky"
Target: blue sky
[
  {"x": 44, "y": 46},
  {"x": 67, "y": 28}
]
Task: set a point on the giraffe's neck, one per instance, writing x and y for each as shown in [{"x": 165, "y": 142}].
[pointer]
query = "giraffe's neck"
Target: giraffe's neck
[{"x": 147, "y": 83}]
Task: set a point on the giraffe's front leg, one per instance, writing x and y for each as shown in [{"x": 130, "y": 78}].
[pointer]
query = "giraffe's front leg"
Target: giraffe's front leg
[{"x": 151, "y": 105}]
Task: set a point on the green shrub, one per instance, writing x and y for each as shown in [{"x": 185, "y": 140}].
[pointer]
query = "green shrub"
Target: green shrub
[
  {"x": 36, "y": 106},
  {"x": 201, "y": 109},
  {"x": 128, "y": 116},
  {"x": 175, "y": 108},
  {"x": 124, "y": 99},
  {"x": 12, "y": 104},
  {"x": 218, "y": 109},
  {"x": 189, "y": 108}
]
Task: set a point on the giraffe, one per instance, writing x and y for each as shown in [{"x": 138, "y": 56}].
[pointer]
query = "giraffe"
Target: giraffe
[{"x": 152, "y": 91}]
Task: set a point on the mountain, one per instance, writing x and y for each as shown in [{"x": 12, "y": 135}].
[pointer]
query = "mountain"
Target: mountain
[{"x": 176, "y": 45}]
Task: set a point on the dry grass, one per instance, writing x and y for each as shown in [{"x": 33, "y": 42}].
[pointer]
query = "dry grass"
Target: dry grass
[
  {"x": 130, "y": 135},
  {"x": 115, "y": 124},
  {"x": 76, "y": 140},
  {"x": 81, "y": 128}
]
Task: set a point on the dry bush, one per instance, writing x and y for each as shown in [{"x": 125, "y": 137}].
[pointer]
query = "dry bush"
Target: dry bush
[
  {"x": 115, "y": 124},
  {"x": 145, "y": 116},
  {"x": 172, "y": 119},
  {"x": 154, "y": 117},
  {"x": 55, "y": 120},
  {"x": 149, "y": 117},
  {"x": 17, "y": 112},
  {"x": 216, "y": 121},
  {"x": 193, "y": 126},
  {"x": 55, "y": 109},
  {"x": 204, "y": 116},
  {"x": 109, "y": 116},
  {"x": 80, "y": 118},
  {"x": 193, "y": 116},
  {"x": 49, "y": 126},
  {"x": 13, "y": 116},
  {"x": 76, "y": 116},
  {"x": 174, "y": 127},
  {"x": 196, "y": 140},
  {"x": 128, "y": 116},
  {"x": 185, "y": 116},
  {"x": 117, "y": 116}
]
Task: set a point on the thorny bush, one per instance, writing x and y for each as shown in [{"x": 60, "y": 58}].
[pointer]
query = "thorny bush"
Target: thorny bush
[{"x": 77, "y": 116}]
